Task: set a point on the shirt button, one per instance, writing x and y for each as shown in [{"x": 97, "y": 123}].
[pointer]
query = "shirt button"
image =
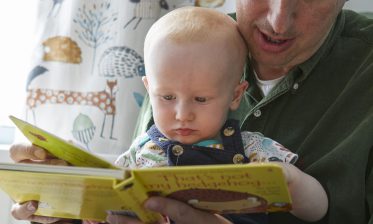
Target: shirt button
[
  {"x": 229, "y": 131},
  {"x": 238, "y": 159},
  {"x": 177, "y": 150},
  {"x": 257, "y": 113},
  {"x": 295, "y": 86}
]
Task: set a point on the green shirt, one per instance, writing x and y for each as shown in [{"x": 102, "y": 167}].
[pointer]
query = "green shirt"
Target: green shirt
[{"x": 323, "y": 111}]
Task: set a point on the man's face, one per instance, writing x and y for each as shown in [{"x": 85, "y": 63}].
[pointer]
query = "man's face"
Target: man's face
[{"x": 281, "y": 34}]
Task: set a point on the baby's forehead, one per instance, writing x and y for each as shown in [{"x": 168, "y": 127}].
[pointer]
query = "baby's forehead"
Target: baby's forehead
[{"x": 213, "y": 58}]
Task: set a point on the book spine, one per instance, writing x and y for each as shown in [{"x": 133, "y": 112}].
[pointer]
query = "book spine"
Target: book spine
[{"x": 133, "y": 194}]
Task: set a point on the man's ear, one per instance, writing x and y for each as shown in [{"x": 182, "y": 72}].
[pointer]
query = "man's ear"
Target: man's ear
[
  {"x": 239, "y": 92},
  {"x": 145, "y": 81}
]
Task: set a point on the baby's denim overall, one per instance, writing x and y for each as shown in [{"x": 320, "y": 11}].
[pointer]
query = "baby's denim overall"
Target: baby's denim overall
[{"x": 233, "y": 153}]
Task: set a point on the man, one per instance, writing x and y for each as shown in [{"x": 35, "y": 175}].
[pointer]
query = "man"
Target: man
[
  {"x": 310, "y": 74},
  {"x": 322, "y": 108},
  {"x": 313, "y": 70}
]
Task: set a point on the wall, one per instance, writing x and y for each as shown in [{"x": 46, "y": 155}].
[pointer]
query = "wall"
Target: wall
[{"x": 360, "y": 5}]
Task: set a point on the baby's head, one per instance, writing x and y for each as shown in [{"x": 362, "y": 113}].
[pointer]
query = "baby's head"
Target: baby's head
[{"x": 194, "y": 61}]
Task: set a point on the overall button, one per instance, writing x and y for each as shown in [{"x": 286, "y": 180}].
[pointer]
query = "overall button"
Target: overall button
[
  {"x": 229, "y": 131},
  {"x": 238, "y": 158},
  {"x": 177, "y": 150},
  {"x": 257, "y": 113}
]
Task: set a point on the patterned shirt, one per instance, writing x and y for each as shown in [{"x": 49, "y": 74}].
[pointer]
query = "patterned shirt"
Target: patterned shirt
[{"x": 144, "y": 153}]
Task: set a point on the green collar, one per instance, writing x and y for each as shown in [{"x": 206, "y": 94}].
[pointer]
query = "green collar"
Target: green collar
[{"x": 206, "y": 143}]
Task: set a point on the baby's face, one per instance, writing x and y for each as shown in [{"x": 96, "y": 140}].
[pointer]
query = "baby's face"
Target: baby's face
[{"x": 191, "y": 90}]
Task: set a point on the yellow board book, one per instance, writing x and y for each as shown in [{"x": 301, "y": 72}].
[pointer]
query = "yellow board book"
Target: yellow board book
[{"x": 88, "y": 192}]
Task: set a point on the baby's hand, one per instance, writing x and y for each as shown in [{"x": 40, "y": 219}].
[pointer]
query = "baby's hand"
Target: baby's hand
[
  {"x": 290, "y": 171},
  {"x": 310, "y": 201}
]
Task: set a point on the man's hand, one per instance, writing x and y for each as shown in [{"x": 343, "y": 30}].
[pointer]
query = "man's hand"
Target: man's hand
[
  {"x": 26, "y": 212},
  {"x": 23, "y": 153},
  {"x": 177, "y": 211}
]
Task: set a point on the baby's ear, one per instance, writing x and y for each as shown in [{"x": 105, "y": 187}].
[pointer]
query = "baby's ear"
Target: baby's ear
[
  {"x": 145, "y": 81},
  {"x": 239, "y": 92}
]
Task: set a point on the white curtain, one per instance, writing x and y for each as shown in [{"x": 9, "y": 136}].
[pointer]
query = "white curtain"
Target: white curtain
[{"x": 85, "y": 82}]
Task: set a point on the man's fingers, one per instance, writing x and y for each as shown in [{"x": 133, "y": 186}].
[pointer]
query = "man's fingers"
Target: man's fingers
[
  {"x": 26, "y": 212},
  {"x": 33, "y": 154},
  {"x": 176, "y": 211},
  {"x": 92, "y": 222},
  {"x": 120, "y": 219},
  {"x": 180, "y": 212},
  {"x": 21, "y": 152},
  {"x": 46, "y": 220}
]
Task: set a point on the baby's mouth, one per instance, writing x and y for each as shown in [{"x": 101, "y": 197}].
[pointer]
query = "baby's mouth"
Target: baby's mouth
[{"x": 184, "y": 131}]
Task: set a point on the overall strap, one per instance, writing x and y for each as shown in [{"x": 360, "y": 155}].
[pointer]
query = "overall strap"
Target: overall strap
[{"x": 181, "y": 154}]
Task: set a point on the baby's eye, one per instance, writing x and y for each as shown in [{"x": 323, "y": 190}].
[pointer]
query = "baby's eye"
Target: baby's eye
[
  {"x": 200, "y": 99},
  {"x": 168, "y": 97}
]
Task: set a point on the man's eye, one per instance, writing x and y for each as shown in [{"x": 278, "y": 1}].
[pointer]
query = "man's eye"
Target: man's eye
[
  {"x": 200, "y": 99},
  {"x": 168, "y": 97}
]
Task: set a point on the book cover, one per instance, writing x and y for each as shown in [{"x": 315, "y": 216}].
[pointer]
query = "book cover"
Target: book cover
[{"x": 88, "y": 193}]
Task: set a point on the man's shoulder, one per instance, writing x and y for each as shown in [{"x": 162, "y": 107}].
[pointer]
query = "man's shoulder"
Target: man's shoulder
[{"x": 358, "y": 26}]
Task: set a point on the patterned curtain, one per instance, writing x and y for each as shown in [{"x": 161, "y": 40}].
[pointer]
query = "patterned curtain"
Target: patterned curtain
[{"x": 85, "y": 83}]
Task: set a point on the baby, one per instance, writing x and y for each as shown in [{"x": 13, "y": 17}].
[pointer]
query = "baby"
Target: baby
[{"x": 194, "y": 62}]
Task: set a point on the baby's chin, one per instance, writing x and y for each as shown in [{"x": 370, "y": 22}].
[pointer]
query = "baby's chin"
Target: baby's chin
[{"x": 187, "y": 140}]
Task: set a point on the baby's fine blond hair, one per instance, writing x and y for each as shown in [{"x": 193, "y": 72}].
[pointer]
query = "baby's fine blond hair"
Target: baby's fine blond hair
[
  {"x": 196, "y": 24},
  {"x": 191, "y": 23}
]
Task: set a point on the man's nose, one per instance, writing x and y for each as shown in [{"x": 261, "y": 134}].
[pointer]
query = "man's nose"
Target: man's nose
[{"x": 281, "y": 15}]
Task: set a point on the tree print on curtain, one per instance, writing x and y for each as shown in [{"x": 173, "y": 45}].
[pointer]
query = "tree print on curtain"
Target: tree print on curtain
[{"x": 95, "y": 22}]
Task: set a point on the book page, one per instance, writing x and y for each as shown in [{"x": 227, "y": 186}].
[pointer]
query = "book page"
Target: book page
[
  {"x": 59, "y": 147},
  {"x": 87, "y": 171}
]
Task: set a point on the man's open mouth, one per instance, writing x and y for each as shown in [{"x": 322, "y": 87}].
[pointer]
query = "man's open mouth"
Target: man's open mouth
[{"x": 273, "y": 41}]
